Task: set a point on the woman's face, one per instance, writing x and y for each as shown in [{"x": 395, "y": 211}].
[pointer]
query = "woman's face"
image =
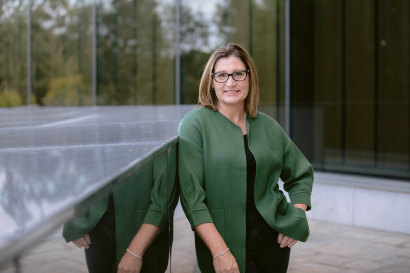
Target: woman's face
[{"x": 232, "y": 92}]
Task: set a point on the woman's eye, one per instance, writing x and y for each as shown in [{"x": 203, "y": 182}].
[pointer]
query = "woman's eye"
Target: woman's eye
[{"x": 221, "y": 75}]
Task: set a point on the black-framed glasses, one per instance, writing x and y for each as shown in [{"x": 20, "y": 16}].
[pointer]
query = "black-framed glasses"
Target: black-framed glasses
[{"x": 237, "y": 76}]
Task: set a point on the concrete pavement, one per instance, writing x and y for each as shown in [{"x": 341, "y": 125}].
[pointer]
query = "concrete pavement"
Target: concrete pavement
[{"x": 331, "y": 248}]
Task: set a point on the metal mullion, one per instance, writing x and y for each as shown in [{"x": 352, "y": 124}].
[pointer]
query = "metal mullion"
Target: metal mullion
[
  {"x": 287, "y": 67},
  {"x": 29, "y": 89},
  {"x": 177, "y": 50}
]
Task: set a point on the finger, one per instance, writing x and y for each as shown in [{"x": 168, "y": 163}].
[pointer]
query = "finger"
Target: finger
[
  {"x": 293, "y": 243},
  {"x": 280, "y": 237},
  {"x": 289, "y": 242},
  {"x": 87, "y": 239},
  {"x": 284, "y": 241},
  {"x": 84, "y": 242},
  {"x": 77, "y": 244},
  {"x": 80, "y": 242}
]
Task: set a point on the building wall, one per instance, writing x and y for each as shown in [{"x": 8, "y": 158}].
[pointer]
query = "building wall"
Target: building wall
[{"x": 361, "y": 201}]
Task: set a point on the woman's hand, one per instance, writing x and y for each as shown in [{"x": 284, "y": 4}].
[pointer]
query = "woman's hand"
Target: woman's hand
[
  {"x": 129, "y": 264},
  {"x": 286, "y": 241},
  {"x": 226, "y": 263},
  {"x": 84, "y": 241}
]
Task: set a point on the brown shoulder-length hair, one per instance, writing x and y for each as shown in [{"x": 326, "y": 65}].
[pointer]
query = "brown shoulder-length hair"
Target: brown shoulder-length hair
[{"x": 207, "y": 96}]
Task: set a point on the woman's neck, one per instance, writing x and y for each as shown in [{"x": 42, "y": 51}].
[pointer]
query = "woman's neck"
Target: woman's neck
[{"x": 235, "y": 113}]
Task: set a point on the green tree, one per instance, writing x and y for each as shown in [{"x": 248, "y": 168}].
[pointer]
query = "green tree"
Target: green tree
[{"x": 13, "y": 53}]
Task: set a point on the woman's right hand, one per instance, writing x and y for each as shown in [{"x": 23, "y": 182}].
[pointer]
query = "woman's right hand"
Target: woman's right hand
[
  {"x": 84, "y": 241},
  {"x": 129, "y": 264},
  {"x": 226, "y": 263}
]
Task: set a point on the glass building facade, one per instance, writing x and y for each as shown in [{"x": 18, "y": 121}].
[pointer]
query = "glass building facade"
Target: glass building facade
[{"x": 334, "y": 73}]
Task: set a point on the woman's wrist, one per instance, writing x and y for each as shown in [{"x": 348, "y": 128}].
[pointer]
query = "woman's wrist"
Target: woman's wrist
[
  {"x": 220, "y": 253},
  {"x": 301, "y": 206},
  {"x": 134, "y": 254}
]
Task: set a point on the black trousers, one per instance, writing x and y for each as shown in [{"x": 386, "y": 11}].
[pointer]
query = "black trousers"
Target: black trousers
[
  {"x": 263, "y": 253},
  {"x": 101, "y": 255}
]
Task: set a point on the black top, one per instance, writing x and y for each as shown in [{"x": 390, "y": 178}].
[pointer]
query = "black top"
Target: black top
[{"x": 253, "y": 217}]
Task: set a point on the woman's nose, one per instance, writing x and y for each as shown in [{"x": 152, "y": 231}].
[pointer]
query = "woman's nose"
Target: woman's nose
[{"x": 230, "y": 81}]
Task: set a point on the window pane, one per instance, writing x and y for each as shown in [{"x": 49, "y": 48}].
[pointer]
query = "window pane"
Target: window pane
[
  {"x": 13, "y": 53},
  {"x": 61, "y": 34},
  {"x": 257, "y": 25},
  {"x": 350, "y": 84},
  {"x": 135, "y": 48}
]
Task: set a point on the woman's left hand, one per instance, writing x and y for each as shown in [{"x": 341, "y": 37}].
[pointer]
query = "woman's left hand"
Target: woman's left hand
[
  {"x": 286, "y": 241},
  {"x": 129, "y": 264}
]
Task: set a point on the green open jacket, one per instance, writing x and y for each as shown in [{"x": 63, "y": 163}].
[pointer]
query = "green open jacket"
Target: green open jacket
[{"x": 212, "y": 174}]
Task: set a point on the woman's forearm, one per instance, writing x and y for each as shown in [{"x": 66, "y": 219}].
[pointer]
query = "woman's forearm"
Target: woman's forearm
[
  {"x": 131, "y": 262},
  {"x": 211, "y": 237},
  {"x": 223, "y": 260},
  {"x": 143, "y": 239}
]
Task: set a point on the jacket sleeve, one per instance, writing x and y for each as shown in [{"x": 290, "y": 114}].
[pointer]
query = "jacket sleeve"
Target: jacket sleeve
[
  {"x": 297, "y": 174},
  {"x": 191, "y": 175},
  {"x": 164, "y": 193},
  {"x": 83, "y": 224}
]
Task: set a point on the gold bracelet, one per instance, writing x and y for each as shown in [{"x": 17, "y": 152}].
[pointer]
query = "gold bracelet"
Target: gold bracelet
[
  {"x": 135, "y": 255},
  {"x": 220, "y": 254}
]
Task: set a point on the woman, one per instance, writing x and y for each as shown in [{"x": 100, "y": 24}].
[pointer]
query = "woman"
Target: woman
[{"x": 230, "y": 160}]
